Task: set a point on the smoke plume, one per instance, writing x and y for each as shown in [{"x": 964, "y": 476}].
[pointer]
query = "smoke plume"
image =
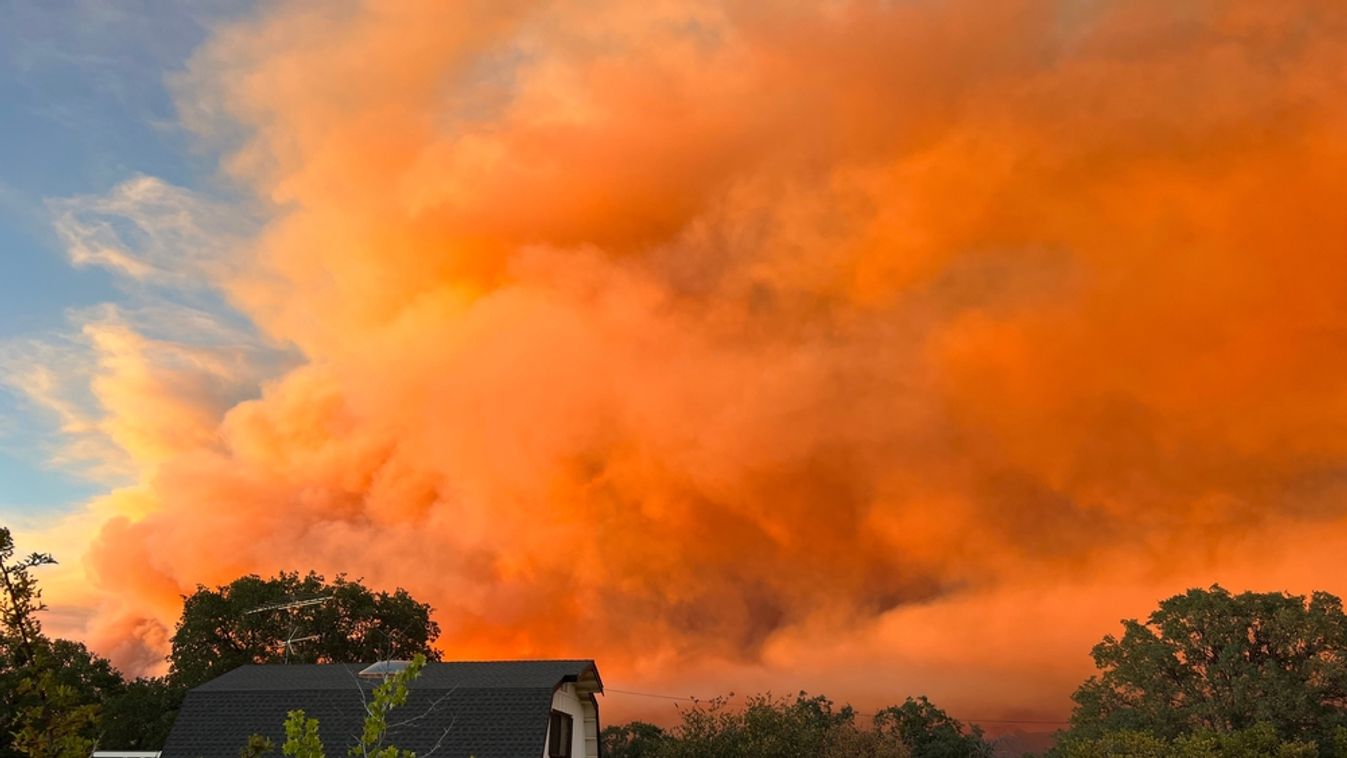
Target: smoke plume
[{"x": 876, "y": 347}]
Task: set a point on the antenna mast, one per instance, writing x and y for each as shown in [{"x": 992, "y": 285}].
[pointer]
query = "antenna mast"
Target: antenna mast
[{"x": 289, "y": 607}]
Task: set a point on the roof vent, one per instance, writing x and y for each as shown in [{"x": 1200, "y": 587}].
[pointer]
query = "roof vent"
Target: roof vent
[{"x": 382, "y": 669}]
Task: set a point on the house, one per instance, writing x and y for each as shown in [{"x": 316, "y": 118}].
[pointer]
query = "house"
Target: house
[{"x": 489, "y": 709}]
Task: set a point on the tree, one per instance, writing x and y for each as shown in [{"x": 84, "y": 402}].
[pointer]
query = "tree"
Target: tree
[
  {"x": 57, "y": 698},
  {"x": 141, "y": 715},
  {"x": 775, "y": 727},
  {"x": 766, "y": 726},
  {"x": 1259, "y": 741},
  {"x": 20, "y": 601},
  {"x": 301, "y": 732},
  {"x": 637, "y": 739},
  {"x": 929, "y": 732},
  {"x": 51, "y": 691},
  {"x": 1211, "y": 663},
  {"x": 217, "y": 632},
  {"x": 55, "y": 719},
  {"x": 60, "y": 699}
]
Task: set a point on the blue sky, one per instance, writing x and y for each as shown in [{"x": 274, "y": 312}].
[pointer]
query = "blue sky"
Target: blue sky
[{"x": 83, "y": 106}]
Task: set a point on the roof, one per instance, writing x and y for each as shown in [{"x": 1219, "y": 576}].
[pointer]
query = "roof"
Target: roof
[{"x": 489, "y": 709}]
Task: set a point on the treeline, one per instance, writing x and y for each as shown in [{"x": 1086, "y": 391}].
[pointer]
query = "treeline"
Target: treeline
[
  {"x": 1209, "y": 674},
  {"x": 59, "y": 700},
  {"x": 803, "y": 726}
]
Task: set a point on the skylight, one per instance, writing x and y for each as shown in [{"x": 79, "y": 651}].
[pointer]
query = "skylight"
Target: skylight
[{"x": 382, "y": 669}]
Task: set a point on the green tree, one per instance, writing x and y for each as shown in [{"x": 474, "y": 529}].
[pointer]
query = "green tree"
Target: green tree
[
  {"x": 20, "y": 601},
  {"x": 217, "y": 632},
  {"x": 775, "y": 727},
  {"x": 1253, "y": 742},
  {"x": 301, "y": 737},
  {"x": 849, "y": 741},
  {"x": 301, "y": 732},
  {"x": 766, "y": 726},
  {"x": 1209, "y": 662},
  {"x": 256, "y": 747},
  {"x": 51, "y": 691},
  {"x": 636, "y": 739},
  {"x": 929, "y": 732},
  {"x": 391, "y": 693},
  {"x": 1122, "y": 743},
  {"x": 58, "y": 720},
  {"x": 140, "y": 716},
  {"x": 1259, "y": 741},
  {"x": 57, "y": 698}
]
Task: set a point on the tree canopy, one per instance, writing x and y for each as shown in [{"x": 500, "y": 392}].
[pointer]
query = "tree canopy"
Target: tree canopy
[
  {"x": 805, "y": 727},
  {"x": 59, "y": 699},
  {"x": 930, "y": 732},
  {"x": 1214, "y": 663},
  {"x": 1259, "y": 741},
  {"x": 221, "y": 629},
  {"x": 51, "y": 691}
]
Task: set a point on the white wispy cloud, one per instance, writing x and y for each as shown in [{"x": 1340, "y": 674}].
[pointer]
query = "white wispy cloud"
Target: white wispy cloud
[
  {"x": 151, "y": 232},
  {"x": 125, "y": 382}
]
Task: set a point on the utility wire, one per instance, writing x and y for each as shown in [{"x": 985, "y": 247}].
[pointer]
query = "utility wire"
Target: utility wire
[{"x": 606, "y": 690}]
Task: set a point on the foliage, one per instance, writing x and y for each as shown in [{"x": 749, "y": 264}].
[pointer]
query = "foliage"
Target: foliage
[
  {"x": 60, "y": 698},
  {"x": 1208, "y": 675},
  {"x": 766, "y": 726},
  {"x": 390, "y": 693},
  {"x": 301, "y": 732},
  {"x": 140, "y": 717},
  {"x": 636, "y": 739},
  {"x": 256, "y": 747},
  {"x": 1209, "y": 662},
  {"x": 930, "y": 732},
  {"x": 58, "y": 722},
  {"x": 1116, "y": 744},
  {"x": 301, "y": 737},
  {"x": 20, "y": 601},
  {"x": 852, "y": 742},
  {"x": 57, "y": 698},
  {"x": 51, "y": 691},
  {"x": 216, "y": 632},
  {"x": 773, "y": 727},
  {"x": 1259, "y": 741}
]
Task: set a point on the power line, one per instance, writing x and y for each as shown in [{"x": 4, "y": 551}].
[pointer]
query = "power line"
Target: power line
[
  {"x": 606, "y": 690},
  {"x": 1018, "y": 721}
]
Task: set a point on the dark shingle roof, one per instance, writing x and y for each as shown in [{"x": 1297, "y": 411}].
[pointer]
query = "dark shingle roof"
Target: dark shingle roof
[{"x": 483, "y": 709}]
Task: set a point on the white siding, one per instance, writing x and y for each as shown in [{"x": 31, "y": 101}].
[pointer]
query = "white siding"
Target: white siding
[
  {"x": 591, "y": 729},
  {"x": 566, "y": 701}
]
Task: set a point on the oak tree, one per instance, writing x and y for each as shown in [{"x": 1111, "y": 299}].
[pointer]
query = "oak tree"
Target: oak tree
[
  {"x": 225, "y": 627},
  {"x": 1211, "y": 662}
]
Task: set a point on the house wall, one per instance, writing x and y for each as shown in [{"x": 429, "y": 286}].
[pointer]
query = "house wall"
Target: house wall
[
  {"x": 591, "y": 730},
  {"x": 584, "y": 721}
]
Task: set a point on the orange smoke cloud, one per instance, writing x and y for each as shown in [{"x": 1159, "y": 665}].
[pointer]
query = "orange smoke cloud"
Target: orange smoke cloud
[{"x": 707, "y": 337}]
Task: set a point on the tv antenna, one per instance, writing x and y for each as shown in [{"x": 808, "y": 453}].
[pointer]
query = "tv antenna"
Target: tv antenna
[{"x": 289, "y": 606}]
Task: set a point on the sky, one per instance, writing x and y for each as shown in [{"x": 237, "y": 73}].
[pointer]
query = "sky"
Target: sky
[
  {"x": 870, "y": 348},
  {"x": 85, "y": 107}
]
